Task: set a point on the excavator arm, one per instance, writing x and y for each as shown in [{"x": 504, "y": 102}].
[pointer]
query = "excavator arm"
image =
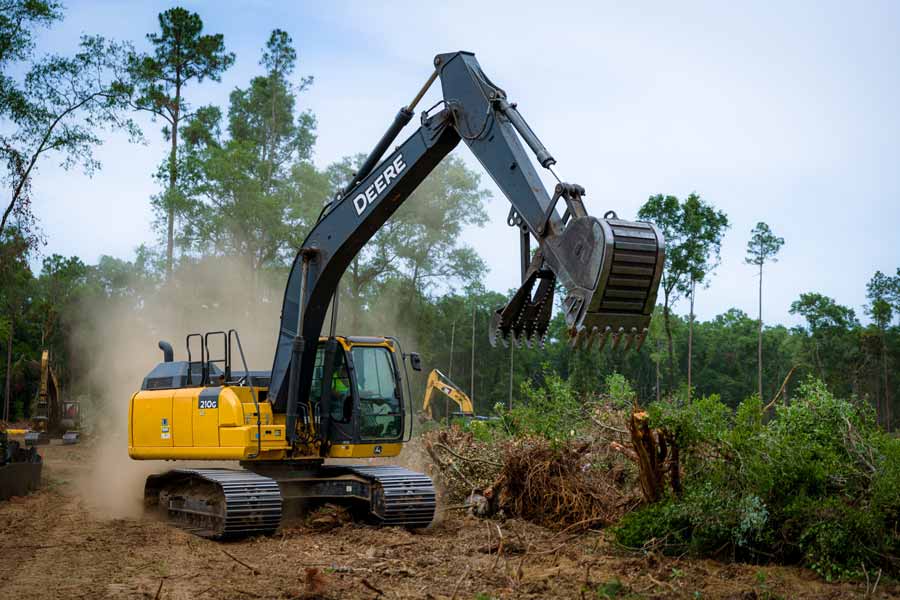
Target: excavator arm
[{"x": 610, "y": 268}]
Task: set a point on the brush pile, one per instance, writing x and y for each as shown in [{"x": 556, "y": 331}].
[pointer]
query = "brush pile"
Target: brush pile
[
  {"x": 460, "y": 464},
  {"x": 571, "y": 484}
]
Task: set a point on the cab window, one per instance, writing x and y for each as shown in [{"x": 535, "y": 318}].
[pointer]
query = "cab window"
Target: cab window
[{"x": 379, "y": 401}]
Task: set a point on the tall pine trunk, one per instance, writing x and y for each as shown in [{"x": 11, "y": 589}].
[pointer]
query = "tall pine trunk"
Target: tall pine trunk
[
  {"x": 759, "y": 340},
  {"x": 690, "y": 356},
  {"x": 173, "y": 181},
  {"x": 671, "y": 345},
  {"x": 887, "y": 393}
]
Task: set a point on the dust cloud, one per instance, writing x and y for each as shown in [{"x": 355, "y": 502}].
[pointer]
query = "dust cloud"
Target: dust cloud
[{"x": 114, "y": 346}]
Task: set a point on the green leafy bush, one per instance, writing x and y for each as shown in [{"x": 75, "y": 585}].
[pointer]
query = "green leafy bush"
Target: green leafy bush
[
  {"x": 818, "y": 484},
  {"x": 551, "y": 410},
  {"x": 620, "y": 391}
]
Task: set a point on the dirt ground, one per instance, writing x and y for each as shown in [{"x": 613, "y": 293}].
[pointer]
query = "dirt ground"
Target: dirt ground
[{"x": 53, "y": 544}]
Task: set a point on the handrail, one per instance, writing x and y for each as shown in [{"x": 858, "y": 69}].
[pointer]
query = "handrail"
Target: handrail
[{"x": 247, "y": 378}]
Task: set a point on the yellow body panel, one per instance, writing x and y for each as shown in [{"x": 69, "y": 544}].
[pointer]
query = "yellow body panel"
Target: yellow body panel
[
  {"x": 364, "y": 450},
  {"x": 171, "y": 424},
  {"x": 182, "y": 415},
  {"x": 151, "y": 419}
]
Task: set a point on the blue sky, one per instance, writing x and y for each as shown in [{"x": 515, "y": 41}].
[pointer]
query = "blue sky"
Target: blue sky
[{"x": 780, "y": 112}]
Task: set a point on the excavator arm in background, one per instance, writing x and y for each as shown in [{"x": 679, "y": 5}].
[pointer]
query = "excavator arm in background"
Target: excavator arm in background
[
  {"x": 610, "y": 268},
  {"x": 52, "y": 416},
  {"x": 440, "y": 382}
]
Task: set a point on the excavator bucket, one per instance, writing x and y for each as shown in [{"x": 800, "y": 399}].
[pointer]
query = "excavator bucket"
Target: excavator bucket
[
  {"x": 618, "y": 309},
  {"x": 610, "y": 269}
]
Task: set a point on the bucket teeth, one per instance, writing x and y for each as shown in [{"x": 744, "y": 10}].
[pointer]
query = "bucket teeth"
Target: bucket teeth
[{"x": 526, "y": 318}]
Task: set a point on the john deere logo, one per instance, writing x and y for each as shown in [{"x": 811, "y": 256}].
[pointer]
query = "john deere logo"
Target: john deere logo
[{"x": 377, "y": 450}]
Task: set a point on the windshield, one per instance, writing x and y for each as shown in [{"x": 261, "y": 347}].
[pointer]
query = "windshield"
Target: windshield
[{"x": 379, "y": 402}]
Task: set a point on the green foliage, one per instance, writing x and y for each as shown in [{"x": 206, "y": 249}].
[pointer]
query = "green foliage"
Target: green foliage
[
  {"x": 551, "y": 410},
  {"x": 702, "y": 420},
  {"x": 18, "y": 21},
  {"x": 253, "y": 193},
  {"x": 763, "y": 245},
  {"x": 827, "y": 349},
  {"x": 619, "y": 391},
  {"x": 816, "y": 484},
  {"x": 611, "y": 589},
  {"x": 693, "y": 231},
  {"x": 181, "y": 54},
  {"x": 483, "y": 431},
  {"x": 58, "y": 108}
]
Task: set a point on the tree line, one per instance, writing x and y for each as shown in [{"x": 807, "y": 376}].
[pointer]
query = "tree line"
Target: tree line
[{"x": 237, "y": 183}]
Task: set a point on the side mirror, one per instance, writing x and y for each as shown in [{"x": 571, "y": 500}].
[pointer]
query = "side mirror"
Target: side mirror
[{"x": 415, "y": 361}]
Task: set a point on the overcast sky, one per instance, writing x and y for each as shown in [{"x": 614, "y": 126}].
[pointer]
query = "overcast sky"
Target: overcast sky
[{"x": 778, "y": 112}]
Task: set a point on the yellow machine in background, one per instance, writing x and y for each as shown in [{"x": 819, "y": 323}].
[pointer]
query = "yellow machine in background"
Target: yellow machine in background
[
  {"x": 53, "y": 416},
  {"x": 440, "y": 382}
]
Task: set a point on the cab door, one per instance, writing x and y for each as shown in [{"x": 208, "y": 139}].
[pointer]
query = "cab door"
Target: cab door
[
  {"x": 380, "y": 401},
  {"x": 340, "y": 394}
]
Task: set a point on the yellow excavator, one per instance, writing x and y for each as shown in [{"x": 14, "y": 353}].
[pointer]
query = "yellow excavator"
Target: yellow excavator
[
  {"x": 333, "y": 396},
  {"x": 440, "y": 382},
  {"x": 52, "y": 416}
]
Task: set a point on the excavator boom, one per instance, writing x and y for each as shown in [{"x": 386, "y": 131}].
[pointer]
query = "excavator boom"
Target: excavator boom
[{"x": 610, "y": 268}]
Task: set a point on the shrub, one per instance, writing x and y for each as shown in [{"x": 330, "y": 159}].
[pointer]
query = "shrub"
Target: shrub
[
  {"x": 620, "y": 392},
  {"x": 817, "y": 485},
  {"x": 551, "y": 410}
]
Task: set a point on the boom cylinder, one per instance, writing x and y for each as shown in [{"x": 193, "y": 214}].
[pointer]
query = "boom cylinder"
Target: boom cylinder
[
  {"x": 297, "y": 348},
  {"x": 543, "y": 155},
  {"x": 400, "y": 121}
]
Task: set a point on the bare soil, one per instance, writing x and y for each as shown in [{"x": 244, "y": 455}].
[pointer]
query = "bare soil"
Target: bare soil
[{"x": 54, "y": 545}]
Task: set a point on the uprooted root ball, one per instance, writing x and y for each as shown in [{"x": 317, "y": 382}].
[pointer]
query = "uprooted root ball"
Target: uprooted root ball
[{"x": 571, "y": 484}]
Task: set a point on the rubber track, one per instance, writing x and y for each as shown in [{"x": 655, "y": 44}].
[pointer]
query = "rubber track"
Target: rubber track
[
  {"x": 400, "y": 497},
  {"x": 252, "y": 502}
]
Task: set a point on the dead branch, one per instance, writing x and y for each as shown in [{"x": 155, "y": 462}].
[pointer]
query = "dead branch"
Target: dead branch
[
  {"x": 609, "y": 427},
  {"x": 254, "y": 570},
  {"x": 372, "y": 587},
  {"x": 780, "y": 390},
  {"x": 461, "y": 457},
  {"x": 459, "y": 583}
]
